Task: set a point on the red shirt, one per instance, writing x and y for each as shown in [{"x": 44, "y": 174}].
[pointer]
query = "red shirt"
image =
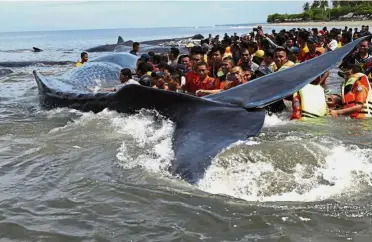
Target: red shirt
[
  {"x": 309, "y": 56},
  {"x": 194, "y": 83}
]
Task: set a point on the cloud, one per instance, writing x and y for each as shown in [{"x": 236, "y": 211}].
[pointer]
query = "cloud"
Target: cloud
[{"x": 60, "y": 15}]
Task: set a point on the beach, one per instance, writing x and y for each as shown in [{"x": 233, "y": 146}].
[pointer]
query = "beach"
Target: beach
[{"x": 338, "y": 24}]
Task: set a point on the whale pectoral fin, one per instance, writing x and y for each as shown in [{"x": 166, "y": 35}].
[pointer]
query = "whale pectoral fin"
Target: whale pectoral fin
[
  {"x": 120, "y": 40},
  {"x": 273, "y": 87},
  {"x": 204, "y": 131}
]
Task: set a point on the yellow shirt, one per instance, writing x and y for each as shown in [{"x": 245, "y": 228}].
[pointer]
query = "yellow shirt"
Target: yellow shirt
[
  {"x": 304, "y": 50},
  {"x": 78, "y": 64},
  {"x": 339, "y": 45}
]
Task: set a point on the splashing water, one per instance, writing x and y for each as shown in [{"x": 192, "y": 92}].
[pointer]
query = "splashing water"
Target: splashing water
[
  {"x": 148, "y": 142},
  {"x": 289, "y": 168},
  {"x": 254, "y": 177}
]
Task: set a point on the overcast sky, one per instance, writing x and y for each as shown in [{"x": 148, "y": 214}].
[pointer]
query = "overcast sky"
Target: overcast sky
[{"x": 63, "y": 15}]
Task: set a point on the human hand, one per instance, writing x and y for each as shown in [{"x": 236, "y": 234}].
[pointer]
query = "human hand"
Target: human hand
[
  {"x": 260, "y": 33},
  {"x": 334, "y": 113},
  {"x": 200, "y": 93}
]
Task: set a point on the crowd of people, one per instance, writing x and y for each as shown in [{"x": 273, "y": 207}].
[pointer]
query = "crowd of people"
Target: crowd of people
[{"x": 218, "y": 64}]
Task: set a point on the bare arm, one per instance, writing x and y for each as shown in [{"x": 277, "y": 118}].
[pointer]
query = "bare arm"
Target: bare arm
[
  {"x": 347, "y": 111},
  {"x": 202, "y": 92}
]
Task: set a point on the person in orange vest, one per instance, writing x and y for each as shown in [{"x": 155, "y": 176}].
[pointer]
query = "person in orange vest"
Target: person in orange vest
[{"x": 356, "y": 98}]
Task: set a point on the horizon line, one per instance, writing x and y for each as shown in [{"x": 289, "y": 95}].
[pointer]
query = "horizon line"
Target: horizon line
[{"x": 163, "y": 27}]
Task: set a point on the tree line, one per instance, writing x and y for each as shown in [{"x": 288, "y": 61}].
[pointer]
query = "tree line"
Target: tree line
[{"x": 319, "y": 10}]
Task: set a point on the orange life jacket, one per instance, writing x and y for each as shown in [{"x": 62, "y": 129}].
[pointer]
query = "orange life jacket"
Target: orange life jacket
[{"x": 349, "y": 90}]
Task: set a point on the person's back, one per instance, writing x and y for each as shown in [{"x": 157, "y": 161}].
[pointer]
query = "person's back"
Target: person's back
[{"x": 309, "y": 102}]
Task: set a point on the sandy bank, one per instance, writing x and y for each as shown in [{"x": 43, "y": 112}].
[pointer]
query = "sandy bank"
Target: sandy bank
[{"x": 322, "y": 24}]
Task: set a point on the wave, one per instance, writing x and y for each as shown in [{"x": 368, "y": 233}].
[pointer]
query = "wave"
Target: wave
[
  {"x": 240, "y": 27},
  {"x": 256, "y": 171}
]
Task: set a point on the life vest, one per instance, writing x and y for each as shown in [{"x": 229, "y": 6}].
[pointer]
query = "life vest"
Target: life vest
[
  {"x": 348, "y": 96},
  {"x": 313, "y": 101}
]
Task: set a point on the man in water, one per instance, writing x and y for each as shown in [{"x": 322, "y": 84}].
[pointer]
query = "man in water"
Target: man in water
[
  {"x": 125, "y": 79},
  {"x": 84, "y": 58},
  {"x": 135, "y": 48},
  {"x": 309, "y": 102},
  {"x": 356, "y": 98}
]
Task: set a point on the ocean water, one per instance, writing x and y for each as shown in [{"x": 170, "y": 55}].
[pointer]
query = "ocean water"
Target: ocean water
[{"x": 73, "y": 176}]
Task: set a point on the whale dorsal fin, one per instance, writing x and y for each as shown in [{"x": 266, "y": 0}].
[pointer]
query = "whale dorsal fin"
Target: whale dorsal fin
[
  {"x": 120, "y": 40},
  {"x": 37, "y": 49}
]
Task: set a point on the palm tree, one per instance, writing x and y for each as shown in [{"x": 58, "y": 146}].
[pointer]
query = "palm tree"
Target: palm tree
[
  {"x": 323, "y": 4},
  {"x": 315, "y": 4},
  {"x": 306, "y": 6}
]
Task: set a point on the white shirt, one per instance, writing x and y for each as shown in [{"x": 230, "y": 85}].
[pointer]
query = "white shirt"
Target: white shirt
[
  {"x": 332, "y": 45},
  {"x": 97, "y": 89}
]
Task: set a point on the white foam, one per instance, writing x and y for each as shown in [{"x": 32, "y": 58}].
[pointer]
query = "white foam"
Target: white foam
[
  {"x": 275, "y": 120},
  {"x": 343, "y": 172},
  {"x": 148, "y": 144}
]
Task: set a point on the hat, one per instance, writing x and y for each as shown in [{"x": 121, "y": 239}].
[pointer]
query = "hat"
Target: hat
[
  {"x": 145, "y": 57},
  {"x": 312, "y": 40},
  {"x": 259, "y": 53},
  {"x": 180, "y": 67},
  {"x": 295, "y": 50},
  {"x": 189, "y": 45},
  {"x": 157, "y": 74}
]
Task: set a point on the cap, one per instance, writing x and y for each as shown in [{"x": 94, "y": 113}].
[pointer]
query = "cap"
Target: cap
[
  {"x": 157, "y": 74},
  {"x": 280, "y": 48},
  {"x": 259, "y": 53},
  {"x": 312, "y": 41},
  {"x": 189, "y": 45},
  {"x": 145, "y": 81}
]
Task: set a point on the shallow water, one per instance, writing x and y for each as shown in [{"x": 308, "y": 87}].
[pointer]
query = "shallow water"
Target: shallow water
[{"x": 73, "y": 176}]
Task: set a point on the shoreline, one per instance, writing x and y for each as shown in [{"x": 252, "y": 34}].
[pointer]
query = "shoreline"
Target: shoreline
[{"x": 349, "y": 23}]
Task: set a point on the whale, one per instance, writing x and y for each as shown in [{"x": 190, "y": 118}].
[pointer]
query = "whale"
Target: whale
[
  {"x": 15, "y": 64},
  {"x": 129, "y": 43},
  {"x": 203, "y": 126},
  {"x": 108, "y": 47},
  {"x": 5, "y": 72}
]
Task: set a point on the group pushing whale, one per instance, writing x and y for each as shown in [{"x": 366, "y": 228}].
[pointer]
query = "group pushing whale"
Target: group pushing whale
[{"x": 203, "y": 126}]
